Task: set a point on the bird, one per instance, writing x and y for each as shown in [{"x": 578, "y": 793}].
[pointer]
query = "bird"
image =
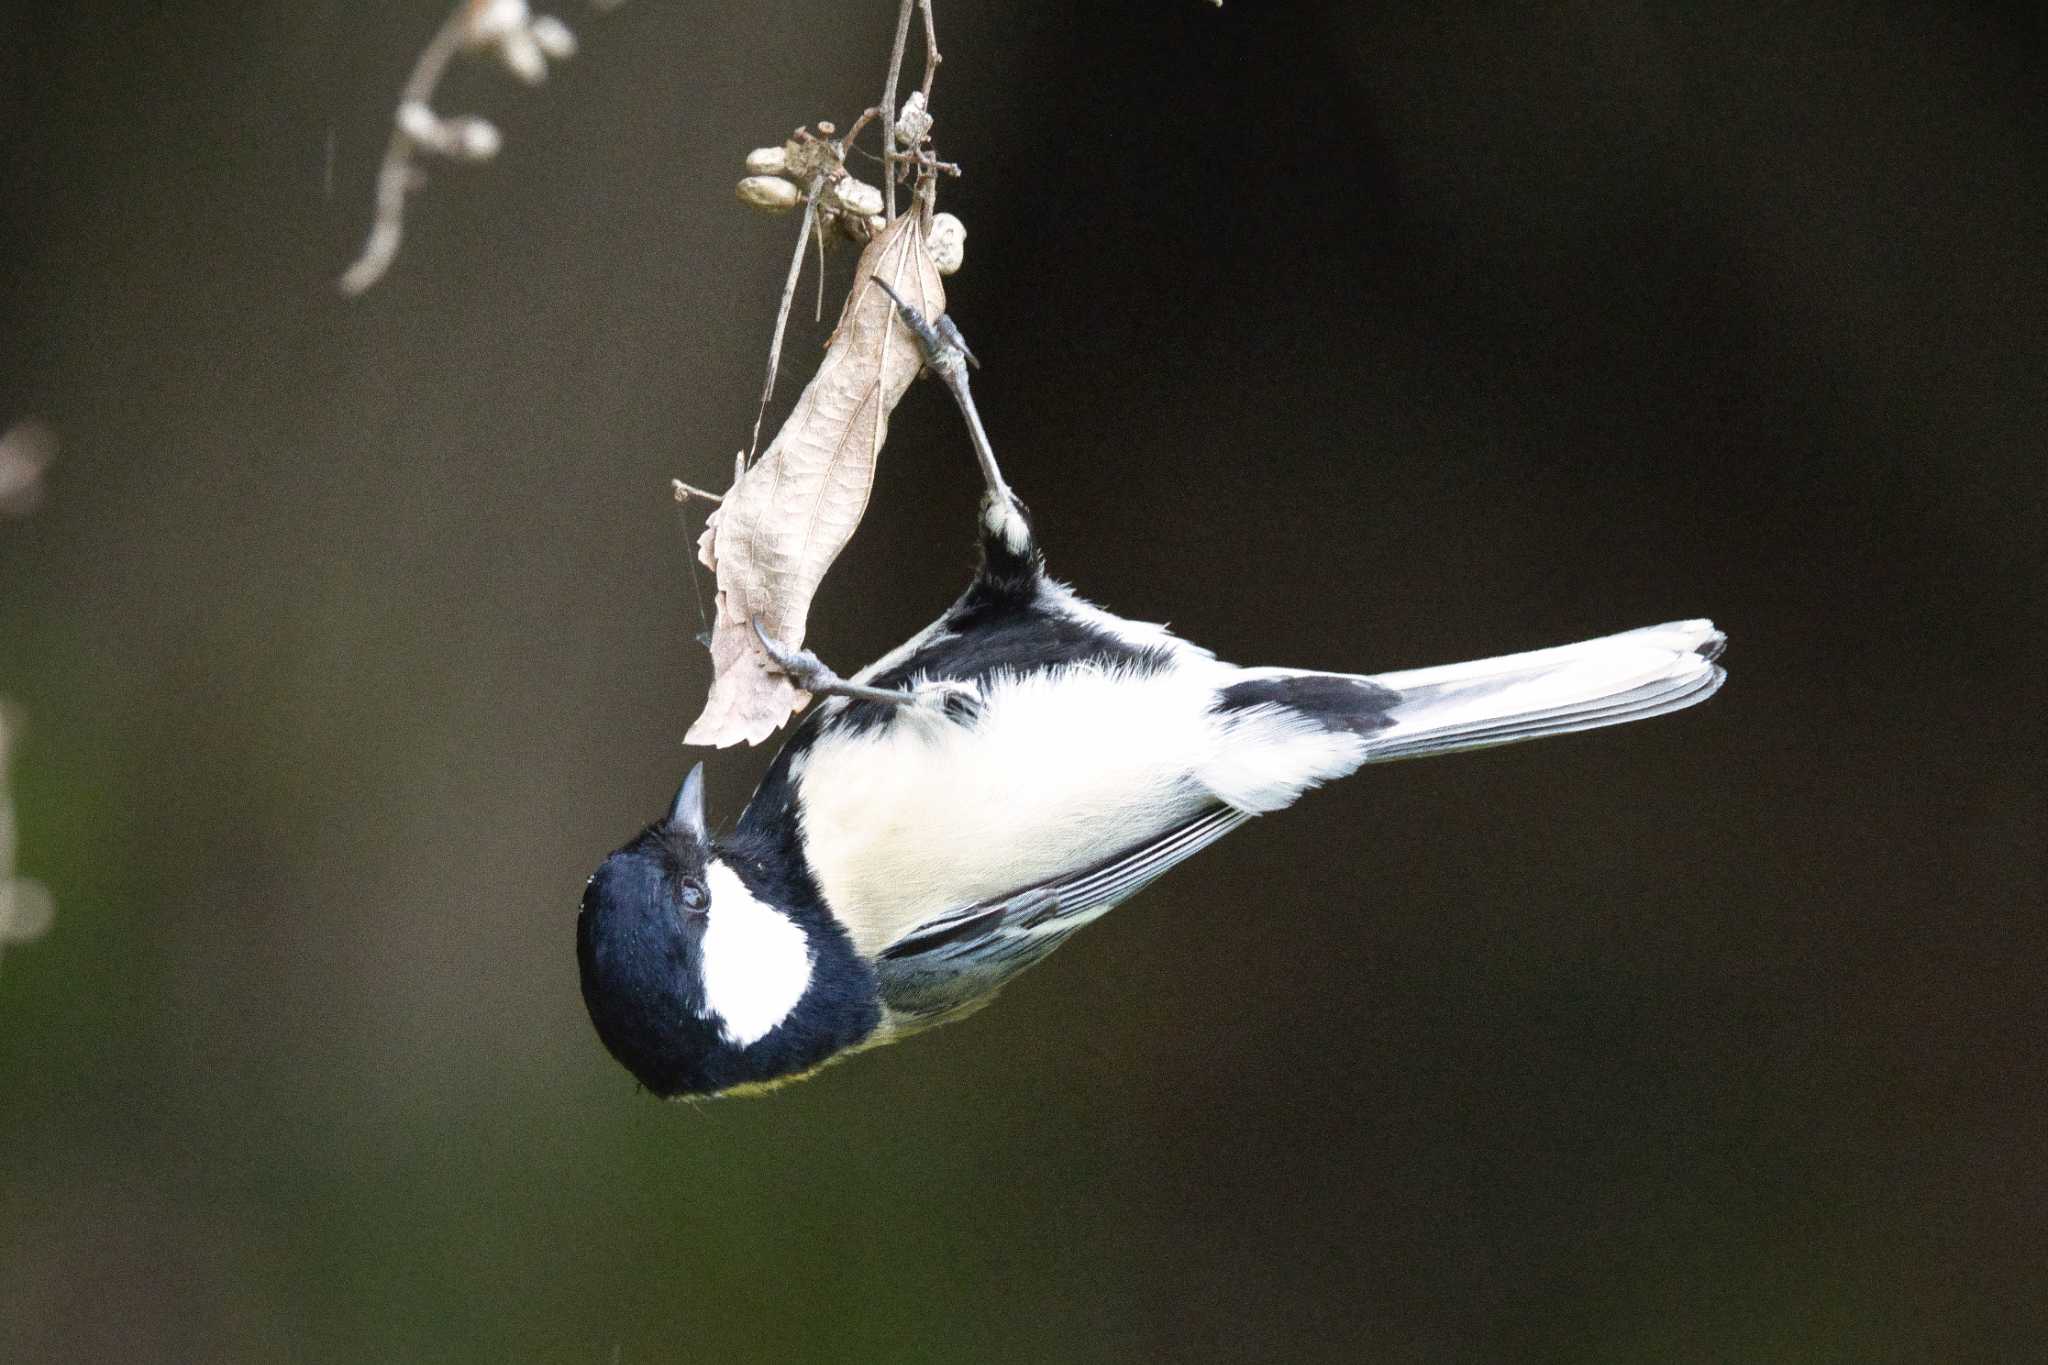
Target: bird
[{"x": 961, "y": 807}]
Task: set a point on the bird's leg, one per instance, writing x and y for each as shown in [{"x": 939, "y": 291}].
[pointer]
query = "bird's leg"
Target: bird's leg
[
  {"x": 809, "y": 672},
  {"x": 946, "y": 355}
]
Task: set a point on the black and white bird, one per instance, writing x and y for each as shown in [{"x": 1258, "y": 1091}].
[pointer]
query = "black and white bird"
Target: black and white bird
[{"x": 1026, "y": 763}]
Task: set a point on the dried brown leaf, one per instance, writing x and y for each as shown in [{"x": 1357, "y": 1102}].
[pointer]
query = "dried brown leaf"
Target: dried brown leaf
[{"x": 787, "y": 517}]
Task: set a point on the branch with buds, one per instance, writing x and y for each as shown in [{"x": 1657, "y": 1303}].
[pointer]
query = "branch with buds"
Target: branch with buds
[
  {"x": 523, "y": 42},
  {"x": 790, "y": 512}
]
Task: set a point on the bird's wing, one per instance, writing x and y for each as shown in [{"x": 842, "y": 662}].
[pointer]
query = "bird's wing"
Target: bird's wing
[{"x": 954, "y": 960}]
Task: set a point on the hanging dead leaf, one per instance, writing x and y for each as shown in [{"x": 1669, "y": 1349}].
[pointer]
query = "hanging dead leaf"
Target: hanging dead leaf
[{"x": 787, "y": 517}]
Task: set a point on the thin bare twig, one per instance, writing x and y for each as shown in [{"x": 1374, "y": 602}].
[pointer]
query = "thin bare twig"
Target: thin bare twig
[
  {"x": 915, "y": 153},
  {"x": 524, "y": 42},
  {"x": 796, "y": 266},
  {"x": 686, "y": 491},
  {"x": 818, "y": 311},
  {"x": 396, "y": 176},
  {"x": 853, "y": 134},
  {"x": 931, "y": 51},
  {"x": 889, "y": 110}
]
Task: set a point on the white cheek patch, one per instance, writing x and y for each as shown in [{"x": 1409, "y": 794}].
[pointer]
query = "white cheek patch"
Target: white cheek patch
[{"x": 756, "y": 961}]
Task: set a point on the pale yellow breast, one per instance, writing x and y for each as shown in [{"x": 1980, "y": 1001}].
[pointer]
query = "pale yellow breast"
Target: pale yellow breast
[{"x": 1062, "y": 771}]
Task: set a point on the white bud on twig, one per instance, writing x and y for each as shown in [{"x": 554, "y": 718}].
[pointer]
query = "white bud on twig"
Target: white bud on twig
[
  {"x": 914, "y": 122},
  {"x": 466, "y": 138},
  {"x": 508, "y": 30},
  {"x": 767, "y": 161},
  {"x": 493, "y": 19},
  {"x": 948, "y": 243},
  {"x": 475, "y": 139},
  {"x": 522, "y": 56},
  {"x": 521, "y": 41},
  {"x": 769, "y": 194},
  {"x": 857, "y": 197},
  {"x": 553, "y": 37},
  {"x": 420, "y": 123}
]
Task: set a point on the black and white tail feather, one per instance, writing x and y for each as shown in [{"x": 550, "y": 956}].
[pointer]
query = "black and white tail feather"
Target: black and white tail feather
[
  {"x": 1020, "y": 767},
  {"x": 1635, "y": 675},
  {"x": 1450, "y": 708}
]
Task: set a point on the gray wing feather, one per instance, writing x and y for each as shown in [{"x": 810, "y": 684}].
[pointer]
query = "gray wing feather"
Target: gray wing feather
[{"x": 957, "y": 959}]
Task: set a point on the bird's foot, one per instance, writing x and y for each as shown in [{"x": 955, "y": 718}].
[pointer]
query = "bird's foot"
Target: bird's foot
[
  {"x": 946, "y": 355},
  {"x": 810, "y": 673},
  {"x": 939, "y": 340}
]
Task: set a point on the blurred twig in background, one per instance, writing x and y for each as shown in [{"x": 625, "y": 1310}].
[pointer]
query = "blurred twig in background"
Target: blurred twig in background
[
  {"x": 25, "y": 906},
  {"x": 523, "y": 41},
  {"x": 26, "y": 449},
  {"x": 26, "y": 910},
  {"x": 775, "y": 534}
]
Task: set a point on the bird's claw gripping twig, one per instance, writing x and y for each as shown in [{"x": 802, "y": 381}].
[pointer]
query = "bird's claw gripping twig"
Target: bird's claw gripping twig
[
  {"x": 811, "y": 674},
  {"x": 937, "y": 337},
  {"x": 946, "y": 355}
]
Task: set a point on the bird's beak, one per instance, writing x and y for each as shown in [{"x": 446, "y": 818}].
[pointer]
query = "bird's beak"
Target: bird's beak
[{"x": 686, "y": 816}]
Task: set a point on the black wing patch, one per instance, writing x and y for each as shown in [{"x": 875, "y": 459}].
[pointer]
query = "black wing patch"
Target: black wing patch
[
  {"x": 1336, "y": 701},
  {"x": 993, "y": 630},
  {"x": 956, "y": 960}
]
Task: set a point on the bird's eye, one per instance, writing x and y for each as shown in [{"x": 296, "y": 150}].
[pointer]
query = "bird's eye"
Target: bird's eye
[{"x": 695, "y": 897}]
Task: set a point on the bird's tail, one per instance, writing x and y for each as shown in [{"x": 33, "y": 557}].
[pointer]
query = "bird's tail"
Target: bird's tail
[{"x": 1617, "y": 678}]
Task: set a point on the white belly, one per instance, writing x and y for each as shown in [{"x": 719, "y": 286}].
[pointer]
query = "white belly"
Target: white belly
[{"x": 1063, "y": 770}]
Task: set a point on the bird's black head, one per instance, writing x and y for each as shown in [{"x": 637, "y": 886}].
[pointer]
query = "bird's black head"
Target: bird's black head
[{"x": 703, "y": 973}]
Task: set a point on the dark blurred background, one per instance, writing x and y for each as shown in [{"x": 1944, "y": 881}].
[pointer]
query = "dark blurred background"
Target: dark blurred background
[{"x": 351, "y": 635}]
